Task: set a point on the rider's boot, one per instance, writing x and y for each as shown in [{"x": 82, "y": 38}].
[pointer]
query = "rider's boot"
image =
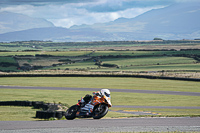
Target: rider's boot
[{"x": 82, "y": 103}]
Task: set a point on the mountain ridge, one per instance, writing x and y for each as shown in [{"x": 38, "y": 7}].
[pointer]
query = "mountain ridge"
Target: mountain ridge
[
  {"x": 10, "y": 22},
  {"x": 175, "y": 22}
]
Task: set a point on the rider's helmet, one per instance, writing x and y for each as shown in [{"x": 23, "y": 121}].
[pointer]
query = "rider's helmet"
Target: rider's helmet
[{"x": 105, "y": 92}]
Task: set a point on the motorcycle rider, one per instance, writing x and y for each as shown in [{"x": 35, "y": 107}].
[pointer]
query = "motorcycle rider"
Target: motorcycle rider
[
  {"x": 91, "y": 106},
  {"x": 88, "y": 98}
]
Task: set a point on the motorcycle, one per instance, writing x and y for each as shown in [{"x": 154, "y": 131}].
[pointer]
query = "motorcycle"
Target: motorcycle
[{"x": 96, "y": 108}]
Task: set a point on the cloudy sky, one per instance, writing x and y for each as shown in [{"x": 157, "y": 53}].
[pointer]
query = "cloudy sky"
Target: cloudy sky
[{"x": 66, "y": 13}]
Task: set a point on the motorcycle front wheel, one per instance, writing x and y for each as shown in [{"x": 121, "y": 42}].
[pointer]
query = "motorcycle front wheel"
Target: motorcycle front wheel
[
  {"x": 100, "y": 111},
  {"x": 71, "y": 112}
]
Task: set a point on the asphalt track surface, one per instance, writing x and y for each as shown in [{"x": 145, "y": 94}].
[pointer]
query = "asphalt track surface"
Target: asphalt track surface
[
  {"x": 184, "y": 124},
  {"x": 112, "y": 90}
]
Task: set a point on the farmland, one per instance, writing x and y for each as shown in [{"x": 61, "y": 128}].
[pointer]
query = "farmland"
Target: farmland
[
  {"x": 51, "y": 64},
  {"x": 157, "y": 58}
]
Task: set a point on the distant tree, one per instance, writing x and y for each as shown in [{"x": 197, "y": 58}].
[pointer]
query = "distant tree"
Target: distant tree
[
  {"x": 156, "y": 38},
  {"x": 26, "y": 64}
]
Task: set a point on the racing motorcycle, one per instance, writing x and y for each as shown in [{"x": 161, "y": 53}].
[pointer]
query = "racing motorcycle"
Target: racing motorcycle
[{"x": 96, "y": 108}]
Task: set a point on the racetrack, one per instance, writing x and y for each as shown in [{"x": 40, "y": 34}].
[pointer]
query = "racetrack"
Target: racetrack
[
  {"x": 183, "y": 124},
  {"x": 112, "y": 90},
  {"x": 117, "y": 90}
]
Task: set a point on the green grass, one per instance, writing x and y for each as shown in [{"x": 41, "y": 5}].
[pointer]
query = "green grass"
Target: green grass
[
  {"x": 68, "y": 53},
  {"x": 12, "y": 113},
  {"x": 171, "y": 67},
  {"x": 19, "y": 53},
  {"x": 148, "y": 61},
  {"x": 70, "y": 97},
  {"x": 23, "y": 113},
  {"x": 54, "y": 53},
  {"x": 77, "y": 65},
  {"x": 50, "y": 96},
  {"x": 101, "y": 53},
  {"x": 41, "y": 61},
  {"x": 144, "y": 53},
  {"x": 125, "y": 64},
  {"x": 137, "y": 64},
  {"x": 118, "y": 115},
  {"x": 139, "y": 99},
  {"x": 7, "y": 59},
  {"x": 10, "y": 68},
  {"x": 21, "y": 48},
  {"x": 104, "y": 82}
]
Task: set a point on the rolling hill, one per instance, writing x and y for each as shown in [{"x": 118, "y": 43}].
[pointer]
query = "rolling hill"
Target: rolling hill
[
  {"x": 179, "y": 21},
  {"x": 10, "y": 22}
]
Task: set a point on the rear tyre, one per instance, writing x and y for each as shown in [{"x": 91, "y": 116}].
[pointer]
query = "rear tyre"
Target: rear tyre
[
  {"x": 100, "y": 111},
  {"x": 71, "y": 112}
]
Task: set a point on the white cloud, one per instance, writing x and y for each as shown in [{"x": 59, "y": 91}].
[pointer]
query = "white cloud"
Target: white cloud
[
  {"x": 181, "y": 1},
  {"x": 66, "y": 15}
]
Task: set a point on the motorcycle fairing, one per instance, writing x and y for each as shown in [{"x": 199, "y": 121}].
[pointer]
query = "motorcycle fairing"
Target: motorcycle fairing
[{"x": 87, "y": 110}]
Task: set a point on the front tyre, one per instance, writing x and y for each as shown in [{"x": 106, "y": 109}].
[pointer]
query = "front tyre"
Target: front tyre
[
  {"x": 71, "y": 112},
  {"x": 100, "y": 111}
]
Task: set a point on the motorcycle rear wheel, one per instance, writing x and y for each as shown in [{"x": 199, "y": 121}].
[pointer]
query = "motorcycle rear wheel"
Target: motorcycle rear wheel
[
  {"x": 71, "y": 112},
  {"x": 100, "y": 111}
]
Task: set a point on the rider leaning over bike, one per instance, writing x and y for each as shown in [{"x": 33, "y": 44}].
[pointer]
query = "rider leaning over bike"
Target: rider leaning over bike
[
  {"x": 88, "y": 98},
  {"x": 95, "y": 106}
]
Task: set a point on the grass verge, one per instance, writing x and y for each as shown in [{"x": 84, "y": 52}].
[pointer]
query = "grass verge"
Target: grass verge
[
  {"x": 104, "y": 82},
  {"x": 118, "y": 98},
  {"x": 71, "y": 97},
  {"x": 12, "y": 113}
]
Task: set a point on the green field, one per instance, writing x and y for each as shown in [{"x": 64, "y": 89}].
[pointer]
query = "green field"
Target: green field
[
  {"x": 144, "y": 53},
  {"x": 102, "y": 53},
  {"x": 125, "y": 60},
  {"x": 77, "y": 65},
  {"x": 124, "y": 45},
  {"x": 104, "y": 82},
  {"x": 68, "y": 53},
  {"x": 11, "y": 113},
  {"x": 118, "y": 98},
  {"x": 8, "y": 64},
  {"x": 7, "y": 59},
  {"x": 148, "y": 61},
  {"x": 71, "y": 97},
  {"x": 137, "y": 64},
  {"x": 170, "y": 58},
  {"x": 53, "y": 53}
]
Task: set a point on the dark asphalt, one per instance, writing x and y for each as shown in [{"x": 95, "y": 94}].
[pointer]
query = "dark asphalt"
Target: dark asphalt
[
  {"x": 104, "y": 125},
  {"x": 185, "y": 124},
  {"x": 113, "y": 90}
]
